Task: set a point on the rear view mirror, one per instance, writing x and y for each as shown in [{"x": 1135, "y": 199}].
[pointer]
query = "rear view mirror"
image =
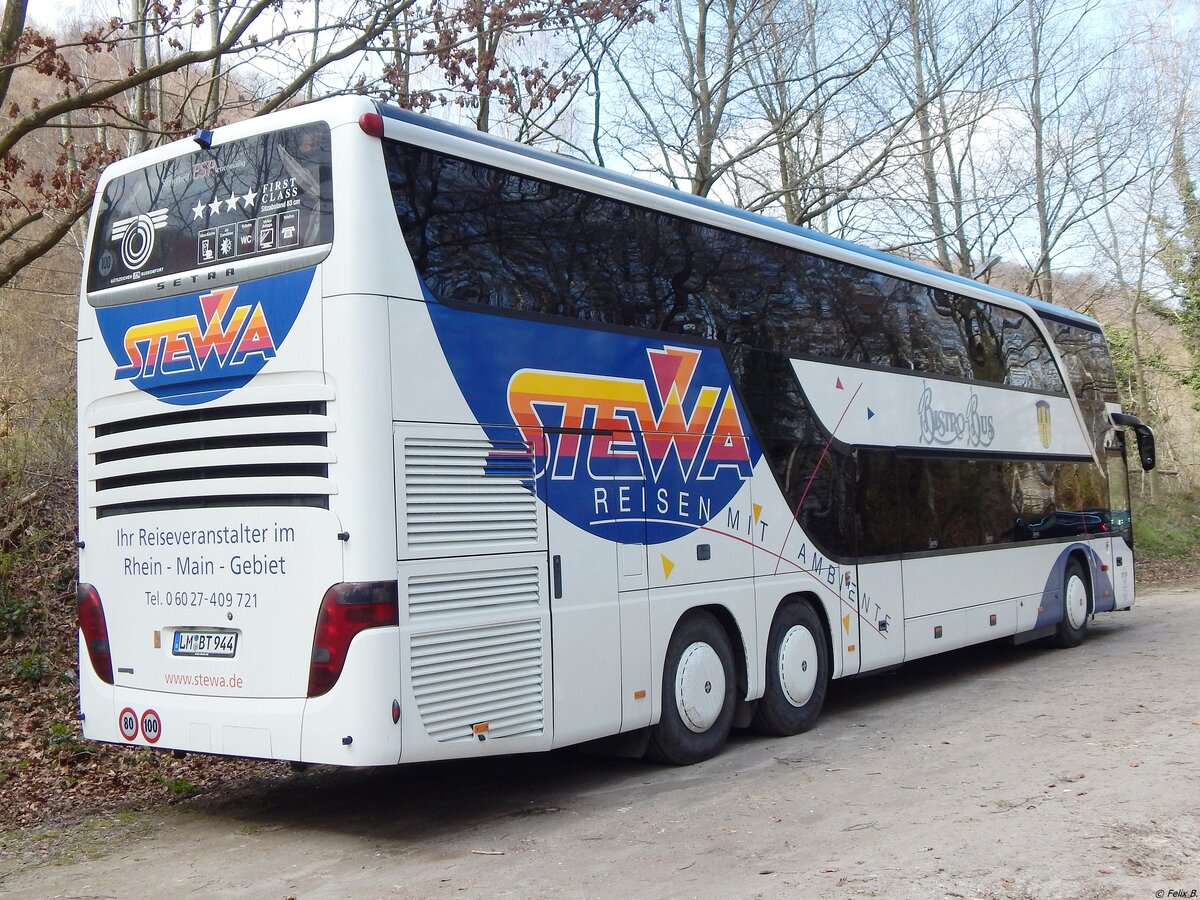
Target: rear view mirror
[{"x": 1145, "y": 437}]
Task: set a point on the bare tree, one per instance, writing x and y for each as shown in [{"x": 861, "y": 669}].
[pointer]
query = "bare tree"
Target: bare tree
[
  {"x": 161, "y": 71},
  {"x": 1130, "y": 190},
  {"x": 816, "y": 82},
  {"x": 1064, "y": 151}
]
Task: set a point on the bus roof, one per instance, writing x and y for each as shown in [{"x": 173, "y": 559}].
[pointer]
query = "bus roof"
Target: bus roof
[{"x": 1043, "y": 309}]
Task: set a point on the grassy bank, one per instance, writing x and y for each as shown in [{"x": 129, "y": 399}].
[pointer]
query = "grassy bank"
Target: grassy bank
[{"x": 1166, "y": 534}]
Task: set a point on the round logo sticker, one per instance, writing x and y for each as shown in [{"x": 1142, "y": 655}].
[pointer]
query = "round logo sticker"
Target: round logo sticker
[
  {"x": 151, "y": 727},
  {"x": 135, "y": 236},
  {"x": 138, "y": 243},
  {"x": 128, "y": 722}
]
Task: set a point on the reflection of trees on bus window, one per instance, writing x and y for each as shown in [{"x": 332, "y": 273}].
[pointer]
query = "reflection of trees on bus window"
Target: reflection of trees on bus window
[
  {"x": 1089, "y": 367},
  {"x": 219, "y": 189},
  {"x": 480, "y": 235},
  {"x": 486, "y": 236}
]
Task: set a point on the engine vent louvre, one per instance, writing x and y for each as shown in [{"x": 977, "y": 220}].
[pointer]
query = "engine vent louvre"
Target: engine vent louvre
[
  {"x": 464, "y": 493},
  {"x": 489, "y": 675},
  {"x": 496, "y": 591},
  {"x": 257, "y": 454}
]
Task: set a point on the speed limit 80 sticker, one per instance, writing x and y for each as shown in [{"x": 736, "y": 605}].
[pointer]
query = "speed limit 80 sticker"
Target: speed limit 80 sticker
[{"x": 128, "y": 723}]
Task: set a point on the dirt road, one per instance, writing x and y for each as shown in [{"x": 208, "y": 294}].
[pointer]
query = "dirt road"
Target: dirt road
[{"x": 996, "y": 772}]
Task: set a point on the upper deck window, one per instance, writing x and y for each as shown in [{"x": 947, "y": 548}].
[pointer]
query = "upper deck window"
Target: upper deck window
[
  {"x": 232, "y": 202},
  {"x": 499, "y": 239}
]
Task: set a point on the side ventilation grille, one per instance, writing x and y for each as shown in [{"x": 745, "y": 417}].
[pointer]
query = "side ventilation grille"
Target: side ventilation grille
[
  {"x": 261, "y": 454},
  {"x": 464, "y": 494},
  {"x": 490, "y": 675},
  {"x": 496, "y": 592}
]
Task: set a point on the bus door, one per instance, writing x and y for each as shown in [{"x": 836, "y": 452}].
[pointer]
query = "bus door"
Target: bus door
[
  {"x": 1121, "y": 523},
  {"x": 878, "y": 588},
  {"x": 599, "y": 599}
]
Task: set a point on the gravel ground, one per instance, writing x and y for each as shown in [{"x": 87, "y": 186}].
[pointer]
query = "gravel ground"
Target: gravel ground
[{"x": 993, "y": 772}]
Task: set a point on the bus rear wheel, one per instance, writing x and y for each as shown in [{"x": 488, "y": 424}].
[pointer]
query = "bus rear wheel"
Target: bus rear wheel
[
  {"x": 1077, "y": 603},
  {"x": 697, "y": 693},
  {"x": 797, "y": 672}
]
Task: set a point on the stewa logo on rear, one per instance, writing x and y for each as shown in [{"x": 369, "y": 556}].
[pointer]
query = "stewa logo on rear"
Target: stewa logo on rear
[
  {"x": 230, "y": 334},
  {"x": 196, "y": 347}
]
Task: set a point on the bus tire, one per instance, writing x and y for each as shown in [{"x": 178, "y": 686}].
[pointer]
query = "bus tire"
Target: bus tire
[
  {"x": 697, "y": 693},
  {"x": 1077, "y": 603},
  {"x": 797, "y": 672}
]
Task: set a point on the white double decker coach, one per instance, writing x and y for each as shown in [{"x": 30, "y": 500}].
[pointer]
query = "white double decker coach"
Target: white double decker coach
[{"x": 400, "y": 442}]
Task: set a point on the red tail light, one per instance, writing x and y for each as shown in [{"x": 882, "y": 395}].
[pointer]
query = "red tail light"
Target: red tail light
[
  {"x": 95, "y": 631},
  {"x": 347, "y": 609}
]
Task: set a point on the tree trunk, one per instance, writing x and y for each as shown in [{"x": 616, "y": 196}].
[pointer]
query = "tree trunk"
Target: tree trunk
[
  {"x": 925, "y": 145},
  {"x": 141, "y": 93},
  {"x": 1041, "y": 272}
]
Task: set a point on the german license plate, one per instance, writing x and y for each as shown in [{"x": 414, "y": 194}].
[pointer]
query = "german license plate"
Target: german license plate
[{"x": 204, "y": 642}]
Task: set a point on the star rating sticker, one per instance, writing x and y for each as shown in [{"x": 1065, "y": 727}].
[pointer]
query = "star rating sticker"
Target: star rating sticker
[
  {"x": 232, "y": 202},
  {"x": 248, "y": 198},
  {"x": 214, "y": 207},
  {"x": 198, "y": 210}
]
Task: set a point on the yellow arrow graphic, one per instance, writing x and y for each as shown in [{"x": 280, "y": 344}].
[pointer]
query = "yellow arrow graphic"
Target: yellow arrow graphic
[{"x": 668, "y": 567}]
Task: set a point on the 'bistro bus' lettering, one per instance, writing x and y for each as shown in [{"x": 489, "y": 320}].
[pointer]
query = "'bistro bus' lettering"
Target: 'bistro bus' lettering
[{"x": 946, "y": 427}]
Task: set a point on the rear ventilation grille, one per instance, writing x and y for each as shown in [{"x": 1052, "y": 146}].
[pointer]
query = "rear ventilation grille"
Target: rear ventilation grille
[
  {"x": 496, "y": 591},
  {"x": 486, "y": 677},
  {"x": 260, "y": 454},
  {"x": 468, "y": 494}
]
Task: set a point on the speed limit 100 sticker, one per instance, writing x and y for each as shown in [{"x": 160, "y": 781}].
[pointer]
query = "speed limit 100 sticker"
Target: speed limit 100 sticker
[
  {"x": 151, "y": 726},
  {"x": 128, "y": 723}
]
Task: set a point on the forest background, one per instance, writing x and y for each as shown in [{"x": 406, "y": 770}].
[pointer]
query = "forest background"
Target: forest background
[{"x": 1046, "y": 146}]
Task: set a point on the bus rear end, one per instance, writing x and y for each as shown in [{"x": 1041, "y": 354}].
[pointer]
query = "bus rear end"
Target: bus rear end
[{"x": 216, "y": 603}]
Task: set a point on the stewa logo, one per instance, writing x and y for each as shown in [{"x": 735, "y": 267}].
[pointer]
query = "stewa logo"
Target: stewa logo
[
  {"x": 229, "y": 335},
  {"x": 196, "y": 347},
  {"x": 640, "y": 460},
  {"x": 136, "y": 237}
]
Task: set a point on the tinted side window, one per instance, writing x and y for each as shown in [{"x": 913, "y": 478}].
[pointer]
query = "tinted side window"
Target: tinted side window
[
  {"x": 1090, "y": 368},
  {"x": 485, "y": 236},
  {"x": 880, "y": 513},
  {"x": 953, "y": 503},
  {"x": 818, "y": 485},
  {"x": 495, "y": 238}
]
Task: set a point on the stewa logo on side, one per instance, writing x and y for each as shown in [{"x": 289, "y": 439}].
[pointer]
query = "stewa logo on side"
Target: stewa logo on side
[{"x": 657, "y": 453}]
